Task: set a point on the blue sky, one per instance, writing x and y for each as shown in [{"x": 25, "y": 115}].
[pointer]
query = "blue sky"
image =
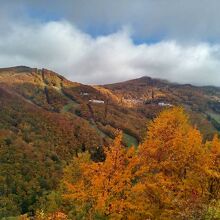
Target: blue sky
[{"x": 103, "y": 41}]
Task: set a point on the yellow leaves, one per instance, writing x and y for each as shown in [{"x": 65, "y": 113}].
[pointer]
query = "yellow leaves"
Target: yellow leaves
[
  {"x": 170, "y": 172},
  {"x": 213, "y": 157},
  {"x": 167, "y": 124},
  {"x": 173, "y": 155},
  {"x": 172, "y": 143},
  {"x": 53, "y": 216},
  {"x": 107, "y": 185}
]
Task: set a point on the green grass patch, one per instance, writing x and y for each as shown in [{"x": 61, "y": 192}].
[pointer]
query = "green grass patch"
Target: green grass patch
[
  {"x": 130, "y": 140},
  {"x": 69, "y": 106},
  {"x": 215, "y": 116}
]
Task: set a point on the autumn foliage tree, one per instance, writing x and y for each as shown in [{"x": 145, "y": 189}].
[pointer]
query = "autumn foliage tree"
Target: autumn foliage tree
[
  {"x": 105, "y": 189},
  {"x": 172, "y": 175},
  {"x": 172, "y": 156}
]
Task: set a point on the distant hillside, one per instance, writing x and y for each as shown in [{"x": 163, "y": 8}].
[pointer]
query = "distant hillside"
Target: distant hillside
[{"x": 203, "y": 103}]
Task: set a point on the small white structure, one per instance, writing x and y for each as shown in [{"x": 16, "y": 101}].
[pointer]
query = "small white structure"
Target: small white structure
[
  {"x": 96, "y": 101},
  {"x": 164, "y": 104},
  {"x": 84, "y": 93}
]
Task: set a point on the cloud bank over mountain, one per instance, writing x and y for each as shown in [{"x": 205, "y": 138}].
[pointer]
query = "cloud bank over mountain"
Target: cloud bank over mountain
[{"x": 72, "y": 46}]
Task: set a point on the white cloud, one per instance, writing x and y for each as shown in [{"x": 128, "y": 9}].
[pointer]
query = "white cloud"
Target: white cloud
[{"x": 62, "y": 47}]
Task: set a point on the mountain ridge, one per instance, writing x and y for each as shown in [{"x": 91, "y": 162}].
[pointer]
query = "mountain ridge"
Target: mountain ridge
[{"x": 141, "y": 94}]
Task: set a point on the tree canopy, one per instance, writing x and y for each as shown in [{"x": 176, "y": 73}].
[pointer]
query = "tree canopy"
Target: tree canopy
[{"x": 172, "y": 175}]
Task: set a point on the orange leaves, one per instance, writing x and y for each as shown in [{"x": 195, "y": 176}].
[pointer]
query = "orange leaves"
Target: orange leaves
[
  {"x": 212, "y": 168},
  {"x": 172, "y": 175},
  {"x": 107, "y": 185},
  {"x": 175, "y": 155},
  {"x": 171, "y": 142}
]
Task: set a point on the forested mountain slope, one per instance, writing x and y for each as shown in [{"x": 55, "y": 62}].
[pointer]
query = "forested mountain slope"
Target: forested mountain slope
[
  {"x": 147, "y": 94},
  {"x": 45, "y": 120}
]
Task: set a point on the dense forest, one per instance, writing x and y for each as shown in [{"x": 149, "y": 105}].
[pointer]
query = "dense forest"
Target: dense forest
[
  {"x": 172, "y": 174},
  {"x": 74, "y": 151}
]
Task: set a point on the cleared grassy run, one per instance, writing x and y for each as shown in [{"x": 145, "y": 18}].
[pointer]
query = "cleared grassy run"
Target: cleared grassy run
[
  {"x": 70, "y": 105},
  {"x": 215, "y": 116},
  {"x": 130, "y": 140}
]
